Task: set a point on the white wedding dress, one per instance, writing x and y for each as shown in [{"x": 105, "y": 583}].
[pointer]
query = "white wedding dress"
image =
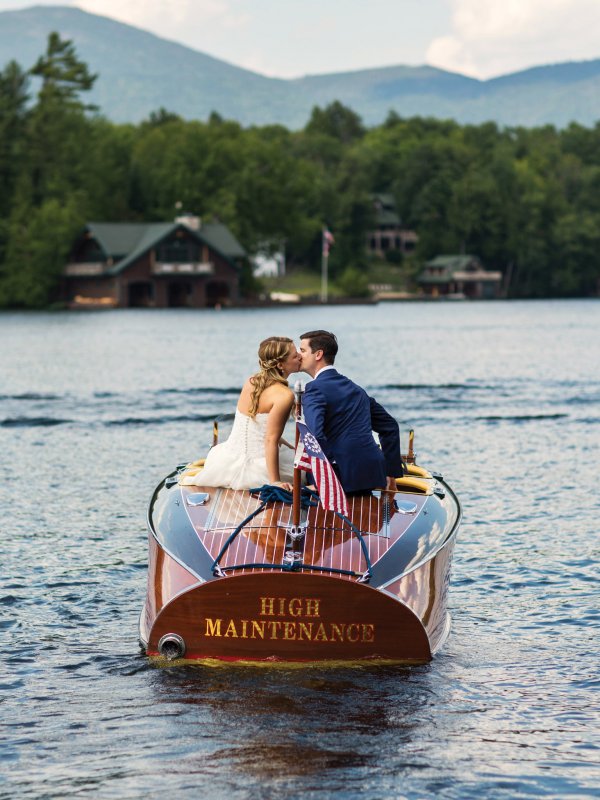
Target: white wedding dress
[{"x": 239, "y": 462}]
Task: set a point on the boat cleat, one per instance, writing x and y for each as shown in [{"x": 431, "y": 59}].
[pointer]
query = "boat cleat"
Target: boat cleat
[{"x": 293, "y": 558}]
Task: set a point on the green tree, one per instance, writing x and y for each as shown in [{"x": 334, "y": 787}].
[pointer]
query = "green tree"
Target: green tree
[
  {"x": 337, "y": 122},
  {"x": 58, "y": 131},
  {"x": 13, "y": 99},
  {"x": 353, "y": 283},
  {"x": 50, "y": 198},
  {"x": 577, "y": 272},
  {"x": 37, "y": 250},
  {"x": 63, "y": 75}
]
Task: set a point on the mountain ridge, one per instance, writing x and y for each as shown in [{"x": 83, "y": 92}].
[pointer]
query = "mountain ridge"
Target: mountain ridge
[{"x": 140, "y": 72}]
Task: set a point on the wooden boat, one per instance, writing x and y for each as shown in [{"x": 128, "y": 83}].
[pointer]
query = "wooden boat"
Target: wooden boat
[{"x": 234, "y": 577}]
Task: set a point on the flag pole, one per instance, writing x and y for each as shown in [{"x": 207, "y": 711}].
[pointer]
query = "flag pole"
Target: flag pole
[
  {"x": 326, "y": 242},
  {"x": 324, "y": 266},
  {"x": 297, "y": 488}
]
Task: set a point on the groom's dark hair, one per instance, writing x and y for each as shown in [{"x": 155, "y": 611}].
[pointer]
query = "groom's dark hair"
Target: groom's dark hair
[{"x": 325, "y": 341}]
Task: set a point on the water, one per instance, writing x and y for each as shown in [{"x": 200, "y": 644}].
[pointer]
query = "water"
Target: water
[{"x": 96, "y": 407}]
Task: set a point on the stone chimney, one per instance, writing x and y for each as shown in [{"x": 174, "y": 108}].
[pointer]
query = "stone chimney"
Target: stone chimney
[{"x": 190, "y": 220}]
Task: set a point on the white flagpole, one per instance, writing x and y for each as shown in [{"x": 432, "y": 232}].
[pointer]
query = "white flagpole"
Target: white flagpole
[{"x": 324, "y": 265}]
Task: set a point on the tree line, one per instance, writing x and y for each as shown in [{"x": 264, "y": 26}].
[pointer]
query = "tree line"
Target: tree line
[{"x": 527, "y": 201}]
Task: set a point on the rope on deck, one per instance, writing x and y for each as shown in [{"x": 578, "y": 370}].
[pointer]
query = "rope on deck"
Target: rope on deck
[{"x": 275, "y": 494}]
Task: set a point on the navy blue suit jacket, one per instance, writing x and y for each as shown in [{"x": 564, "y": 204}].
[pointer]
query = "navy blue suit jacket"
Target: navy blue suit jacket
[{"x": 342, "y": 416}]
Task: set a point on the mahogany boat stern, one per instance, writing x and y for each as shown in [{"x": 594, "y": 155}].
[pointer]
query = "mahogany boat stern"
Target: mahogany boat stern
[{"x": 289, "y": 617}]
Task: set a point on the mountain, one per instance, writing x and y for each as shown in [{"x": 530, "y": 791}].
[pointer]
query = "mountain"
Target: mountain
[{"x": 140, "y": 72}]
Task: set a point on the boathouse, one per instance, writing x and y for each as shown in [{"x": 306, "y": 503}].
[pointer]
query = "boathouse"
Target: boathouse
[
  {"x": 184, "y": 263},
  {"x": 459, "y": 276}
]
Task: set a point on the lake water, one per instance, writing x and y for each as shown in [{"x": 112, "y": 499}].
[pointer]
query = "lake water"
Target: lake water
[{"x": 96, "y": 407}]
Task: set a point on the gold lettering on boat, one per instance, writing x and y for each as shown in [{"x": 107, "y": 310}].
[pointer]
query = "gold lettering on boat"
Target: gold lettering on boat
[
  {"x": 320, "y": 635},
  {"x": 337, "y": 631},
  {"x": 368, "y": 632},
  {"x": 305, "y": 629},
  {"x": 351, "y": 636},
  {"x": 267, "y": 606},
  {"x": 291, "y": 630},
  {"x": 312, "y": 607},
  {"x": 294, "y": 607},
  {"x": 213, "y": 627}
]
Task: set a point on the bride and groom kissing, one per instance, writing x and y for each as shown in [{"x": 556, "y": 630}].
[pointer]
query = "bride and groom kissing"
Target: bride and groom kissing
[{"x": 338, "y": 412}]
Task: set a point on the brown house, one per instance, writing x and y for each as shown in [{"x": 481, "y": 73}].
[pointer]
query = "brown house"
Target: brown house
[
  {"x": 389, "y": 234},
  {"x": 158, "y": 265},
  {"x": 459, "y": 276}
]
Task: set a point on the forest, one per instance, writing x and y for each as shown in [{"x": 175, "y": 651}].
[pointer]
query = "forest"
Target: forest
[{"x": 525, "y": 200}]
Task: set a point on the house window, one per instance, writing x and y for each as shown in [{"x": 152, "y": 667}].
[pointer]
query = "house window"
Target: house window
[
  {"x": 88, "y": 252},
  {"x": 178, "y": 251}
]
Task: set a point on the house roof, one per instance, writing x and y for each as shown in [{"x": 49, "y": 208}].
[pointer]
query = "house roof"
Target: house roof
[
  {"x": 125, "y": 242},
  {"x": 440, "y": 278},
  {"x": 385, "y": 209},
  {"x": 466, "y": 268},
  {"x": 453, "y": 262},
  {"x": 222, "y": 239}
]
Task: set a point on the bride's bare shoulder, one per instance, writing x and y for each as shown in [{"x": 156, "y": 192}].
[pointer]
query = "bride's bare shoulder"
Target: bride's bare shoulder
[
  {"x": 279, "y": 390},
  {"x": 275, "y": 395}
]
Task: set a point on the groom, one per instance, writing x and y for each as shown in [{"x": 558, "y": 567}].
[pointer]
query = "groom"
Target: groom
[{"x": 342, "y": 417}]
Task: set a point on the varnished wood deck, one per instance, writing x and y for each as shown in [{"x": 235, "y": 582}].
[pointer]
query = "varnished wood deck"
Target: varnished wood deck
[{"x": 329, "y": 542}]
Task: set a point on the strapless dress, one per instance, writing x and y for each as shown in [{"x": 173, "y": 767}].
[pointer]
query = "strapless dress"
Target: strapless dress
[{"x": 239, "y": 462}]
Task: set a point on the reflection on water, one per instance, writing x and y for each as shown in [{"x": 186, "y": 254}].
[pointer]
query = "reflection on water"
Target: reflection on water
[{"x": 96, "y": 408}]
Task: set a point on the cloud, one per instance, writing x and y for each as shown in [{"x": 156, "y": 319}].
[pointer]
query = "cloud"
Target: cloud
[
  {"x": 492, "y": 37},
  {"x": 169, "y": 18}
]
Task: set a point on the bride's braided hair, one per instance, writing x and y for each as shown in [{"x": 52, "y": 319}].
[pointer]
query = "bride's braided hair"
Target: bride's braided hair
[{"x": 271, "y": 352}]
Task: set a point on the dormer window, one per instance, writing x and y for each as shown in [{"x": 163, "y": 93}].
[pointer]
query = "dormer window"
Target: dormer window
[{"x": 179, "y": 249}]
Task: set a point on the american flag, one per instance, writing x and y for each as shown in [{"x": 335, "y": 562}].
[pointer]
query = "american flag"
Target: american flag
[
  {"x": 310, "y": 458},
  {"x": 328, "y": 240}
]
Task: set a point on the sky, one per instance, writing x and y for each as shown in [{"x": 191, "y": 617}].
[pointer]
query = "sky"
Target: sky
[{"x": 291, "y": 38}]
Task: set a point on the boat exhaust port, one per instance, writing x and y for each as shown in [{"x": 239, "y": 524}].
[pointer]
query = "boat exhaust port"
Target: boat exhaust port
[{"x": 171, "y": 646}]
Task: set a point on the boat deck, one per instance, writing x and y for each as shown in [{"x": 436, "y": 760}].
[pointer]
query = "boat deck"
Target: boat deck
[{"x": 328, "y": 545}]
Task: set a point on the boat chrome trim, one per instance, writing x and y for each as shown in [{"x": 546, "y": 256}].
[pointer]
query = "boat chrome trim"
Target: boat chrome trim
[{"x": 197, "y": 499}]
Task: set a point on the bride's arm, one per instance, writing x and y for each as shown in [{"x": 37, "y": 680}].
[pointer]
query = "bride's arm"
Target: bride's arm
[{"x": 278, "y": 416}]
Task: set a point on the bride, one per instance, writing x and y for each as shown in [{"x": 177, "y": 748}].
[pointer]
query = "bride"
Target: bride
[{"x": 255, "y": 453}]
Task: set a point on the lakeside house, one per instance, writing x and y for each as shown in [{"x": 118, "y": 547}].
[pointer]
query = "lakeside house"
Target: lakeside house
[
  {"x": 459, "y": 275},
  {"x": 185, "y": 263},
  {"x": 269, "y": 261},
  {"x": 389, "y": 234}
]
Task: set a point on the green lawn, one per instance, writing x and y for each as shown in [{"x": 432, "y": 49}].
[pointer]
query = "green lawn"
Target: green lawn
[
  {"x": 299, "y": 281},
  {"x": 307, "y": 283},
  {"x": 383, "y": 274}
]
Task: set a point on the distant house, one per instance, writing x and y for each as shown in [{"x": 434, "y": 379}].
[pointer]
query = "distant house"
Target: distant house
[
  {"x": 156, "y": 264},
  {"x": 459, "y": 275},
  {"x": 389, "y": 233},
  {"x": 269, "y": 263}
]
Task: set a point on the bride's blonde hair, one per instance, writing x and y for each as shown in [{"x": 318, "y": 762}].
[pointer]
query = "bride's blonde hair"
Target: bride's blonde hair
[{"x": 271, "y": 352}]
